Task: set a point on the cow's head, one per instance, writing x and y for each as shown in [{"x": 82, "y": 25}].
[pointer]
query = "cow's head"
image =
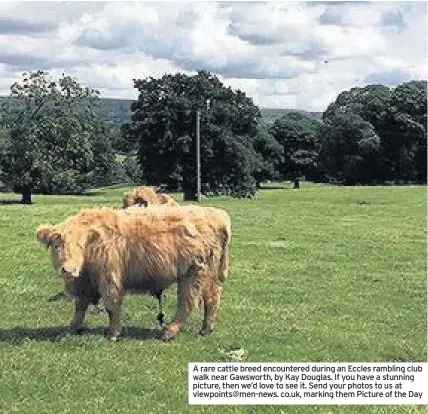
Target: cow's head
[
  {"x": 142, "y": 197},
  {"x": 128, "y": 199},
  {"x": 68, "y": 247}
]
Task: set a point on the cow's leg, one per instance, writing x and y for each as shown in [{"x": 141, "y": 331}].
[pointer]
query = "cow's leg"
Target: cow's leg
[
  {"x": 188, "y": 295},
  {"x": 112, "y": 298},
  {"x": 211, "y": 296},
  {"x": 80, "y": 307}
]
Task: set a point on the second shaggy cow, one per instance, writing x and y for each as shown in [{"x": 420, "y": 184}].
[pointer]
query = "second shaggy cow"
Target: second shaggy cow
[{"x": 147, "y": 196}]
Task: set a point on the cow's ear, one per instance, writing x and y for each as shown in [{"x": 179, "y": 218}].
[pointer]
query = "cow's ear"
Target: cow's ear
[{"x": 48, "y": 235}]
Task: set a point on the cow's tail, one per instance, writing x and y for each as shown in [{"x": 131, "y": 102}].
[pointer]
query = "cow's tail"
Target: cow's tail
[{"x": 224, "y": 259}]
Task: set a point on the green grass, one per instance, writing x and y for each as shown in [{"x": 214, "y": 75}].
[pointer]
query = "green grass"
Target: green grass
[{"x": 319, "y": 274}]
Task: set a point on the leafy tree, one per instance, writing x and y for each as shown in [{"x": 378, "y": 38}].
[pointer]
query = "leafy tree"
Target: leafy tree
[
  {"x": 4, "y": 138},
  {"x": 270, "y": 156},
  {"x": 163, "y": 123},
  {"x": 52, "y": 127},
  {"x": 349, "y": 149},
  {"x": 298, "y": 134},
  {"x": 132, "y": 169},
  {"x": 404, "y": 143},
  {"x": 398, "y": 118},
  {"x": 370, "y": 103},
  {"x": 105, "y": 168},
  {"x": 122, "y": 142}
]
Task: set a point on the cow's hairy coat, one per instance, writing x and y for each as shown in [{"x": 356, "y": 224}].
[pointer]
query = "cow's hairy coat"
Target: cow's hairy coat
[
  {"x": 104, "y": 252},
  {"x": 147, "y": 196}
]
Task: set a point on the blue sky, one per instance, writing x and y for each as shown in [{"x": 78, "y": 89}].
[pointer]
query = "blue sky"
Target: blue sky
[{"x": 282, "y": 54}]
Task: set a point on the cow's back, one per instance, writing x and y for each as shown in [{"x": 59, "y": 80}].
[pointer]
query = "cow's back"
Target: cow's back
[
  {"x": 218, "y": 220},
  {"x": 149, "y": 250}
]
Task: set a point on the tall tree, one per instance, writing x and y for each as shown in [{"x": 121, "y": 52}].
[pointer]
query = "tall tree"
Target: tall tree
[
  {"x": 403, "y": 136},
  {"x": 270, "y": 155},
  {"x": 163, "y": 123},
  {"x": 104, "y": 167},
  {"x": 398, "y": 118},
  {"x": 349, "y": 149},
  {"x": 298, "y": 135},
  {"x": 51, "y": 127},
  {"x": 370, "y": 103}
]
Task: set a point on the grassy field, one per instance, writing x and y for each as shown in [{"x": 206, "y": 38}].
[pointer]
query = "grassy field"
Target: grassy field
[{"x": 319, "y": 274}]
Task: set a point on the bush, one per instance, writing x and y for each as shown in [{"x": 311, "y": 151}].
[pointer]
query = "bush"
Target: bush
[
  {"x": 132, "y": 170},
  {"x": 63, "y": 182}
]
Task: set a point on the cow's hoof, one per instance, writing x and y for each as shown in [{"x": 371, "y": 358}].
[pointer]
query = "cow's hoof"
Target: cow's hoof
[
  {"x": 166, "y": 335},
  {"x": 205, "y": 332}
]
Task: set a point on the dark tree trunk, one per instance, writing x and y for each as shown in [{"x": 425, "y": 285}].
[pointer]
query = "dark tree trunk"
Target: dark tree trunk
[
  {"x": 190, "y": 195},
  {"x": 189, "y": 190},
  {"x": 26, "y": 195}
]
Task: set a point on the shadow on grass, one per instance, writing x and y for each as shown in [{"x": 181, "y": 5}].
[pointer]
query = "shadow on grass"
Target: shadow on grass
[
  {"x": 59, "y": 296},
  {"x": 18, "y": 335},
  {"x": 274, "y": 187},
  {"x": 92, "y": 193},
  {"x": 12, "y": 202}
]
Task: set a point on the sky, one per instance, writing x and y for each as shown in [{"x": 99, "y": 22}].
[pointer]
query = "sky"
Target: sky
[{"x": 282, "y": 54}]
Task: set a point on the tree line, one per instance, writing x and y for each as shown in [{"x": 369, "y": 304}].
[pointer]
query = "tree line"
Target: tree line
[{"x": 53, "y": 140}]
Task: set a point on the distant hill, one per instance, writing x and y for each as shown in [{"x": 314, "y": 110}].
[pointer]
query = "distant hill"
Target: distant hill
[
  {"x": 118, "y": 111},
  {"x": 270, "y": 114}
]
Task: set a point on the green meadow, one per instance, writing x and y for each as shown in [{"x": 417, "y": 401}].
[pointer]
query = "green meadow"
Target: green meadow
[{"x": 320, "y": 274}]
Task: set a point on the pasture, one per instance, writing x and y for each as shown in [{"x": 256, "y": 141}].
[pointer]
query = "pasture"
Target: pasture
[{"x": 317, "y": 274}]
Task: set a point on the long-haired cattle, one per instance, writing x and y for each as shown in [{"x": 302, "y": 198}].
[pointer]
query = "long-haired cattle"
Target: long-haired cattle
[
  {"x": 147, "y": 196},
  {"x": 105, "y": 252}
]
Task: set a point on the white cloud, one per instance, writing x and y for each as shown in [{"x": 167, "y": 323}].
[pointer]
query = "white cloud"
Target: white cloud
[{"x": 282, "y": 54}]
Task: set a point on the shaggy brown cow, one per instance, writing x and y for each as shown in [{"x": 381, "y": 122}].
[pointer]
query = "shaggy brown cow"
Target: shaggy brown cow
[
  {"x": 104, "y": 252},
  {"x": 147, "y": 196}
]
